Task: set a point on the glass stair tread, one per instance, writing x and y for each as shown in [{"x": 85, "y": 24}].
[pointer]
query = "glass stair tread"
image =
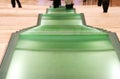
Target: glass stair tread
[
  {"x": 62, "y": 65},
  {"x": 61, "y": 16}
]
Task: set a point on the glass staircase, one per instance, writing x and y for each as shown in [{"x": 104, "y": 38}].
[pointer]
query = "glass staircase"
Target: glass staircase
[{"x": 62, "y": 46}]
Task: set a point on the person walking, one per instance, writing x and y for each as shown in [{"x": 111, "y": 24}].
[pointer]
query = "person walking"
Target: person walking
[{"x": 13, "y": 2}]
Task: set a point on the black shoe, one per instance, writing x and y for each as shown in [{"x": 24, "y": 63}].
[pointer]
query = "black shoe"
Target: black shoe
[
  {"x": 20, "y": 6},
  {"x": 13, "y": 6},
  {"x": 105, "y": 12}
]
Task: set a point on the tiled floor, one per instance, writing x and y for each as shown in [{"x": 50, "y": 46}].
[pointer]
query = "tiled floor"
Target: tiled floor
[{"x": 15, "y": 19}]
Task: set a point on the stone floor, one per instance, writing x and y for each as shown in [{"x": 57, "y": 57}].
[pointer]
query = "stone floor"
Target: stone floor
[{"x": 15, "y": 19}]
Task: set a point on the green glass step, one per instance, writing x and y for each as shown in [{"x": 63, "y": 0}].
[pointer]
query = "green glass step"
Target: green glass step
[
  {"x": 63, "y": 65},
  {"x": 61, "y": 16},
  {"x": 61, "y": 22},
  {"x": 60, "y": 12},
  {"x": 64, "y": 44},
  {"x": 67, "y": 28},
  {"x": 63, "y": 30}
]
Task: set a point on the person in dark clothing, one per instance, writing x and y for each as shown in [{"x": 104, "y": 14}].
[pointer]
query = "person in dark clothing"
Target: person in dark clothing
[
  {"x": 13, "y": 2},
  {"x": 99, "y": 2},
  {"x": 56, "y": 3},
  {"x": 105, "y": 5}
]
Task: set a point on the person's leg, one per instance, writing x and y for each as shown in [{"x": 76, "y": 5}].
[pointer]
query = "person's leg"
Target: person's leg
[
  {"x": 59, "y": 2},
  {"x": 13, "y": 3},
  {"x": 19, "y": 4},
  {"x": 69, "y": 6},
  {"x": 56, "y": 3},
  {"x": 99, "y": 2},
  {"x": 105, "y": 6}
]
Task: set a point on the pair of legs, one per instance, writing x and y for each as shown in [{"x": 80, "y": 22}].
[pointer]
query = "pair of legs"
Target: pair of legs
[
  {"x": 105, "y": 5},
  {"x": 56, "y": 3},
  {"x": 13, "y": 2},
  {"x": 69, "y": 6}
]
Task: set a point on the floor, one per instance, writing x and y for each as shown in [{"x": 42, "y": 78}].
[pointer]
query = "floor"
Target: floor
[{"x": 15, "y": 19}]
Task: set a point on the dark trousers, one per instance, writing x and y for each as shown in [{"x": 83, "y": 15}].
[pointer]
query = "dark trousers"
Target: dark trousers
[
  {"x": 13, "y": 2},
  {"x": 70, "y": 6},
  {"x": 99, "y": 2},
  {"x": 105, "y": 6},
  {"x": 56, "y": 3}
]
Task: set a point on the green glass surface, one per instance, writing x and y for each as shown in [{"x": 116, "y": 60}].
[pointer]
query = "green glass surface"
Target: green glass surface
[
  {"x": 61, "y": 16},
  {"x": 63, "y": 65},
  {"x": 63, "y": 47}
]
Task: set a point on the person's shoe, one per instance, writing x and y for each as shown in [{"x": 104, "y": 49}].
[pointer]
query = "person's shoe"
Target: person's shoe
[
  {"x": 13, "y": 6},
  {"x": 20, "y": 6},
  {"x": 104, "y": 11}
]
